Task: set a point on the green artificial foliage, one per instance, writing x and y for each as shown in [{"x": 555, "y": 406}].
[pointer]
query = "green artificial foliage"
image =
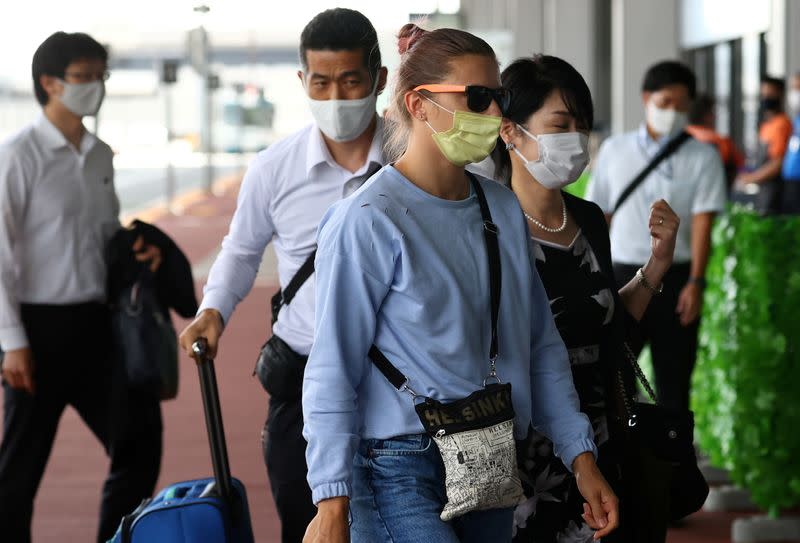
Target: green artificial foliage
[
  {"x": 646, "y": 363},
  {"x": 578, "y": 188},
  {"x": 746, "y": 387}
]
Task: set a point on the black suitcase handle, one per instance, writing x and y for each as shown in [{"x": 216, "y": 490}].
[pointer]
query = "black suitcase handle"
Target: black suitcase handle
[{"x": 216, "y": 431}]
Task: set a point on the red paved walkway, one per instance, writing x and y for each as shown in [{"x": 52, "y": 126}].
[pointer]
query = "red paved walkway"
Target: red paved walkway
[{"x": 68, "y": 499}]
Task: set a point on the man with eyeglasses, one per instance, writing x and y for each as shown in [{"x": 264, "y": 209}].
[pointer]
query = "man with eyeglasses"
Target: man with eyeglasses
[{"x": 58, "y": 209}]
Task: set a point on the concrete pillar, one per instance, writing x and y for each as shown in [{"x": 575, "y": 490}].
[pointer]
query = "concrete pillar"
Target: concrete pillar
[
  {"x": 525, "y": 19},
  {"x": 792, "y": 36},
  {"x": 570, "y": 29},
  {"x": 522, "y": 17},
  {"x": 642, "y": 33},
  {"x": 775, "y": 38}
]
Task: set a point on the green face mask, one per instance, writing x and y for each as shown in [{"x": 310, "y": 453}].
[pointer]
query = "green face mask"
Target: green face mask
[{"x": 471, "y": 139}]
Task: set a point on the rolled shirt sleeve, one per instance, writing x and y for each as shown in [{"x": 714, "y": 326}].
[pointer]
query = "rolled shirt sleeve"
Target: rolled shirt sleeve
[
  {"x": 235, "y": 268},
  {"x": 555, "y": 405},
  {"x": 13, "y": 193},
  {"x": 711, "y": 193}
]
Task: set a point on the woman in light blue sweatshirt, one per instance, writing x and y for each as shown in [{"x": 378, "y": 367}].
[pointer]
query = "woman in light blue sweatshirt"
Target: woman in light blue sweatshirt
[{"x": 402, "y": 264}]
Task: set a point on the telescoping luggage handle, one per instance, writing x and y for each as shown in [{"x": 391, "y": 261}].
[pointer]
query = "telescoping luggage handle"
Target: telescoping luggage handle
[{"x": 216, "y": 432}]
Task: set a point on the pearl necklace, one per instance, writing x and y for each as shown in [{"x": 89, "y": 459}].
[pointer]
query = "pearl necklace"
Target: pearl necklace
[{"x": 547, "y": 228}]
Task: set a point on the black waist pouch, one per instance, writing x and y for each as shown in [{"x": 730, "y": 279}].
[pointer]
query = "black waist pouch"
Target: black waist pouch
[{"x": 280, "y": 370}]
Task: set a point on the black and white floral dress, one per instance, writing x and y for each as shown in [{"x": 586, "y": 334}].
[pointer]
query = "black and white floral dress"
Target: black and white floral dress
[{"x": 583, "y": 307}]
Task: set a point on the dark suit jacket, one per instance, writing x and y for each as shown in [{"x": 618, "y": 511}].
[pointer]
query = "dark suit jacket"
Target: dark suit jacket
[{"x": 173, "y": 281}]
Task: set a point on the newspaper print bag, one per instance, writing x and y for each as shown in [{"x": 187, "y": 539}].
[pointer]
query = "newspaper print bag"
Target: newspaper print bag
[{"x": 475, "y": 437}]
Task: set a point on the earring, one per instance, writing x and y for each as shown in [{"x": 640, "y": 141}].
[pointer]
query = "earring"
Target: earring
[{"x": 509, "y": 146}]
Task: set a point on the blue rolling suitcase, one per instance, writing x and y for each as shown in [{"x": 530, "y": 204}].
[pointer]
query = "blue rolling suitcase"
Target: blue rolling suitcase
[{"x": 204, "y": 510}]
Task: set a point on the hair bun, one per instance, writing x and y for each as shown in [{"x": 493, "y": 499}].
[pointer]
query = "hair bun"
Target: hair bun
[{"x": 408, "y": 36}]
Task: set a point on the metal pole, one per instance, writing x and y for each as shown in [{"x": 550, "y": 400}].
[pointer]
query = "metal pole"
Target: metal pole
[
  {"x": 209, "y": 120},
  {"x": 170, "y": 168},
  {"x": 201, "y": 62},
  {"x": 208, "y": 111}
]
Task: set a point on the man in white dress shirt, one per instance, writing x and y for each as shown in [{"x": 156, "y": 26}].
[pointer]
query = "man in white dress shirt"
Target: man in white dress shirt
[
  {"x": 58, "y": 209},
  {"x": 692, "y": 180},
  {"x": 284, "y": 195}
]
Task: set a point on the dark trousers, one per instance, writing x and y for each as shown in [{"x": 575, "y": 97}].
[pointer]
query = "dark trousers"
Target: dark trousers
[
  {"x": 74, "y": 365},
  {"x": 673, "y": 346},
  {"x": 285, "y": 451},
  {"x": 791, "y": 198}
]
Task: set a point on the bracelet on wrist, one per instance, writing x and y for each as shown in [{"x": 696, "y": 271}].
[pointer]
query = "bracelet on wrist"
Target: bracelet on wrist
[
  {"x": 699, "y": 281},
  {"x": 642, "y": 280}
]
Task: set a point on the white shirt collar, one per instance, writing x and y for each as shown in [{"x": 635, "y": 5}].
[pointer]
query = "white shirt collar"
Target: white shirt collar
[
  {"x": 646, "y": 139},
  {"x": 318, "y": 151},
  {"x": 52, "y": 137}
]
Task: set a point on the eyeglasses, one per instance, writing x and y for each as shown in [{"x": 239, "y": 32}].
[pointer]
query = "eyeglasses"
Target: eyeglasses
[
  {"x": 479, "y": 98},
  {"x": 86, "y": 77}
]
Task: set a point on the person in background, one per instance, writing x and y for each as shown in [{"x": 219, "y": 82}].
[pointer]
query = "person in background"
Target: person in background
[
  {"x": 285, "y": 193},
  {"x": 693, "y": 182},
  {"x": 774, "y": 131},
  {"x": 402, "y": 265},
  {"x": 790, "y": 171},
  {"x": 58, "y": 211},
  {"x": 702, "y": 127},
  {"x": 545, "y": 147}
]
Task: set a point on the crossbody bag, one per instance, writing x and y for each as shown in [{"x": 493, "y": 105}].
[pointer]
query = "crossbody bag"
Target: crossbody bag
[
  {"x": 279, "y": 369},
  {"x": 474, "y": 435},
  {"x": 662, "y": 446}
]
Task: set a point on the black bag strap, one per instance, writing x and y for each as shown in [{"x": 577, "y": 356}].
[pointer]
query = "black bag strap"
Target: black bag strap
[
  {"x": 668, "y": 149},
  {"x": 285, "y": 296},
  {"x": 493, "y": 252},
  {"x": 630, "y": 402},
  {"x": 490, "y": 231},
  {"x": 389, "y": 370}
]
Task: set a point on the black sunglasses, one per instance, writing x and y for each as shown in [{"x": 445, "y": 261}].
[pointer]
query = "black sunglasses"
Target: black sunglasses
[{"x": 479, "y": 98}]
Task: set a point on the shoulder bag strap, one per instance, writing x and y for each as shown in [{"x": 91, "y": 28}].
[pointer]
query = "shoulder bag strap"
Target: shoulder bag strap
[
  {"x": 490, "y": 231},
  {"x": 640, "y": 376},
  {"x": 670, "y": 147},
  {"x": 285, "y": 296}
]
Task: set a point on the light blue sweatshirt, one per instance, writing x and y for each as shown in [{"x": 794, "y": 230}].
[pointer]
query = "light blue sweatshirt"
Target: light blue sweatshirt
[{"x": 408, "y": 271}]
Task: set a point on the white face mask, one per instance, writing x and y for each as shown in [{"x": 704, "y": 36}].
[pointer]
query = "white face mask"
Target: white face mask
[
  {"x": 83, "y": 98},
  {"x": 793, "y": 100},
  {"x": 562, "y": 158},
  {"x": 344, "y": 120},
  {"x": 665, "y": 122}
]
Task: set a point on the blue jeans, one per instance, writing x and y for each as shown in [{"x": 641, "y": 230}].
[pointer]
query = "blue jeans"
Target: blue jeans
[{"x": 398, "y": 494}]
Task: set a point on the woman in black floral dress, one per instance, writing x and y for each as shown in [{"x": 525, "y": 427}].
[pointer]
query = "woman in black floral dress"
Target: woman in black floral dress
[{"x": 544, "y": 148}]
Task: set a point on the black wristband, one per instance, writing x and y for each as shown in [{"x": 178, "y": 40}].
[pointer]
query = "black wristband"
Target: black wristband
[{"x": 699, "y": 281}]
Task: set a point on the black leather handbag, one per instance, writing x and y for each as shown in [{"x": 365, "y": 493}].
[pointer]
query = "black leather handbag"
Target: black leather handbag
[
  {"x": 280, "y": 370},
  {"x": 145, "y": 338},
  {"x": 662, "y": 440}
]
